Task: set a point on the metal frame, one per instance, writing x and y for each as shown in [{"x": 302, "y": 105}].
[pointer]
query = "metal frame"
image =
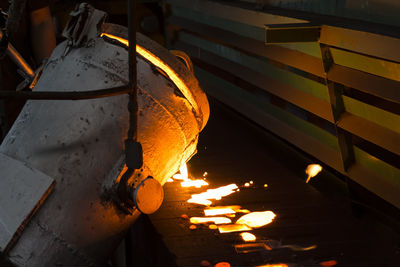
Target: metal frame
[{"x": 234, "y": 65}]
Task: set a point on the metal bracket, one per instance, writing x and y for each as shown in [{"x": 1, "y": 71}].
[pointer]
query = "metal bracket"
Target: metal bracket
[{"x": 292, "y": 33}]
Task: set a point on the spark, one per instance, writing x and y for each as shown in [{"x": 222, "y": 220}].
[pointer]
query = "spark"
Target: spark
[{"x": 312, "y": 170}]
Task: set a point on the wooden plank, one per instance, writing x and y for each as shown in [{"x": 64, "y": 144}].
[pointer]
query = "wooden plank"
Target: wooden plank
[
  {"x": 302, "y": 99},
  {"x": 371, "y": 132},
  {"x": 280, "y": 54},
  {"x": 365, "y": 82},
  {"x": 362, "y": 42},
  {"x": 22, "y": 191}
]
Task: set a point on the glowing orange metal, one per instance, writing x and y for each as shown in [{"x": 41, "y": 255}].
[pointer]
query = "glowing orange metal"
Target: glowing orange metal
[
  {"x": 220, "y": 210},
  {"x": 215, "y": 220},
  {"x": 217, "y": 193},
  {"x": 229, "y": 228},
  {"x": 312, "y": 170},
  {"x": 156, "y": 61},
  {"x": 248, "y": 237},
  {"x": 257, "y": 219}
]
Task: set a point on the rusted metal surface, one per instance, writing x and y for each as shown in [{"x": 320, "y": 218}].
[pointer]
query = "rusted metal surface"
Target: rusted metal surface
[{"x": 80, "y": 145}]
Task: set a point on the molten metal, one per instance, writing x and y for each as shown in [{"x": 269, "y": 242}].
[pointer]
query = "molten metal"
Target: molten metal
[
  {"x": 215, "y": 220},
  {"x": 221, "y": 210},
  {"x": 248, "y": 237},
  {"x": 187, "y": 182},
  {"x": 217, "y": 194},
  {"x": 312, "y": 170},
  {"x": 257, "y": 219},
  {"x": 229, "y": 228}
]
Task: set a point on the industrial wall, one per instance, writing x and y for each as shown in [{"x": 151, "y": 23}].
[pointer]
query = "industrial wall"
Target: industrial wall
[
  {"x": 379, "y": 11},
  {"x": 337, "y": 97}
]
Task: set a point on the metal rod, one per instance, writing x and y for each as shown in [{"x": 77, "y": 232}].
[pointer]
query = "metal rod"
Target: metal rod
[
  {"x": 18, "y": 59},
  {"x": 74, "y": 95},
  {"x": 133, "y": 106}
]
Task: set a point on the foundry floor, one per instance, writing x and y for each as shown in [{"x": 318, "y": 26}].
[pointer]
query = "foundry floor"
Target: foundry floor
[{"x": 233, "y": 150}]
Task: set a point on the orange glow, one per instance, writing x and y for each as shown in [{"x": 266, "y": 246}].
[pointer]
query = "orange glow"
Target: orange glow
[
  {"x": 312, "y": 170},
  {"x": 170, "y": 180},
  {"x": 183, "y": 173},
  {"x": 220, "y": 210},
  {"x": 248, "y": 237},
  {"x": 156, "y": 61},
  {"x": 213, "y": 227},
  {"x": 247, "y": 184},
  {"x": 194, "y": 183},
  {"x": 187, "y": 182},
  {"x": 274, "y": 265},
  {"x": 229, "y": 228},
  {"x": 265, "y": 185},
  {"x": 328, "y": 263},
  {"x": 215, "y": 220},
  {"x": 222, "y": 264},
  {"x": 257, "y": 219},
  {"x": 217, "y": 194},
  {"x": 124, "y": 169}
]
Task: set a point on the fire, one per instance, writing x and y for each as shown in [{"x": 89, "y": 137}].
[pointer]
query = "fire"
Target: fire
[
  {"x": 220, "y": 210},
  {"x": 312, "y": 170},
  {"x": 217, "y": 194},
  {"x": 170, "y": 180},
  {"x": 248, "y": 237},
  {"x": 229, "y": 228},
  {"x": 187, "y": 182},
  {"x": 257, "y": 219},
  {"x": 156, "y": 61},
  {"x": 214, "y": 220}
]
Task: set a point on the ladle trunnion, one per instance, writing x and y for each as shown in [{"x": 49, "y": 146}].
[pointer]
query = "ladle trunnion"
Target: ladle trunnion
[{"x": 76, "y": 148}]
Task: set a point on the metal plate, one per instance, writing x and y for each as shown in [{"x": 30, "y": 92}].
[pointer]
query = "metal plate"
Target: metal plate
[{"x": 22, "y": 191}]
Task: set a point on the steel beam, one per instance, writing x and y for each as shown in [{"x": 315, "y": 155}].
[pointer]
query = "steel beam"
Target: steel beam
[{"x": 291, "y": 33}]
